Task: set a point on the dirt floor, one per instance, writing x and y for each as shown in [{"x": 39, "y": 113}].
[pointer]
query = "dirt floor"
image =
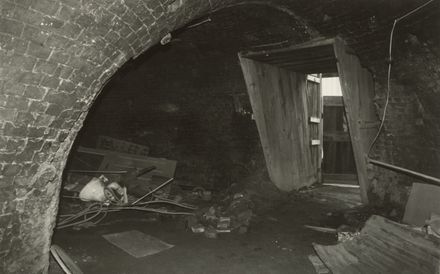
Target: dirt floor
[{"x": 277, "y": 242}]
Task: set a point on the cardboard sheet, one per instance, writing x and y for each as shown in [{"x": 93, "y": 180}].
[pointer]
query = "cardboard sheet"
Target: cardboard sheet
[{"x": 136, "y": 243}]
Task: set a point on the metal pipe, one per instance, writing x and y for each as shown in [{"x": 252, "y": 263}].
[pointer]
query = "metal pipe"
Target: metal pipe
[
  {"x": 154, "y": 190},
  {"x": 97, "y": 171},
  {"x": 406, "y": 171}
]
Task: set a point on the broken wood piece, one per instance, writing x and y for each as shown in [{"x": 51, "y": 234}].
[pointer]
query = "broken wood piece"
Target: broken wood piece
[
  {"x": 313, "y": 78},
  {"x": 322, "y": 229},
  {"x": 64, "y": 260},
  {"x": 112, "y": 160},
  {"x": 131, "y": 176},
  {"x": 383, "y": 246}
]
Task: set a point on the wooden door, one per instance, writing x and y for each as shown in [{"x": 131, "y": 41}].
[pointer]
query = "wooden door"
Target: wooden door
[
  {"x": 280, "y": 107},
  {"x": 357, "y": 87},
  {"x": 314, "y": 114},
  {"x": 282, "y": 116}
]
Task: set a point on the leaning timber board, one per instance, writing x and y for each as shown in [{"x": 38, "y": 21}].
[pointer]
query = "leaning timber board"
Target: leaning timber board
[
  {"x": 112, "y": 160},
  {"x": 279, "y": 103},
  {"x": 383, "y": 246},
  {"x": 358, "y": 92}
]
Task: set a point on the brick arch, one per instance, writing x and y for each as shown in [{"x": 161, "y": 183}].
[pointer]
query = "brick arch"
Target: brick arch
[{"x": 55, "y": 56}]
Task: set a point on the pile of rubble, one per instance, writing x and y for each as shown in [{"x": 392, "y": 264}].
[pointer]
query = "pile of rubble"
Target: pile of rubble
[{"x": 233, "y": 213}]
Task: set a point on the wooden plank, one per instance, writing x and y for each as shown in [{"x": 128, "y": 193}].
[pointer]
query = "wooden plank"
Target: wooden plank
[
  {"x": 383, "y": 246},
  {"x": 123, "y": 161},
  {"x": 328, "y": 43},
  {"x": 296, "y": 58},
  {"x": 357, "y": 89},
  {"x": 279, "y": 106},
  {"x": 422, "y": 202}
]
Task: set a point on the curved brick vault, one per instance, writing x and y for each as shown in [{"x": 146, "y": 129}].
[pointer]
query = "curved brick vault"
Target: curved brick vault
[{"x": 55, "y": 56}]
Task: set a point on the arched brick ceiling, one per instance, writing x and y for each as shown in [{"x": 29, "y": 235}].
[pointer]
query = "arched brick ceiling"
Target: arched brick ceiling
[{"x": 243, "y": 26}]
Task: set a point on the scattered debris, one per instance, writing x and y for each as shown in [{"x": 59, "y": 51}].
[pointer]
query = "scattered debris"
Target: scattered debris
[
  {"x": 434, "y": 225},
  {"x": 210, "y": 233},
  {"x": 347, "y": 236},
  {"x": 383, "y": 246},
  {"x": 205, "y": 195},
  {"x": 198, "y": 228},
  {"x": 94, "y": 213},
  {"x": 136, "y": 243},
  {"x": 232, "y": 214},
  {"x": 97, "y": 190},
  {"x": 94, "y": 190},
  {"x": 343, "y": 232},
  {"x": 132, "y": 182}
]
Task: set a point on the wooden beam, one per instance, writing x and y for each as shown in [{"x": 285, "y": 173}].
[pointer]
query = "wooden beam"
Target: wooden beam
[
  {"x": 309, "y": 44},
  {"x": 313, "y": 78}
]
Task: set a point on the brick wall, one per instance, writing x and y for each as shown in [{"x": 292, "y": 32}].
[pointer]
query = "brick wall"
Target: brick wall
[{"x": 54, "y": 58}]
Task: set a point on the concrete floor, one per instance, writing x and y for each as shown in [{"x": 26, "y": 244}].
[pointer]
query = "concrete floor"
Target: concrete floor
[{"x": 276, "y": 243}]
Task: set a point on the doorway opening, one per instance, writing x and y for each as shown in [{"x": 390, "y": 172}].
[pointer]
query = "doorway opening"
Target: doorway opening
[
  {"x": 338, "y": 165},
  {"x": 278, "y": 86}
]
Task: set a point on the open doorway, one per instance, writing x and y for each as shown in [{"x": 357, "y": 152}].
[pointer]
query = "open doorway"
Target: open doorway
[
  {"x": 277, "y": 83},
  {"x": 338, "y": 165}
]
